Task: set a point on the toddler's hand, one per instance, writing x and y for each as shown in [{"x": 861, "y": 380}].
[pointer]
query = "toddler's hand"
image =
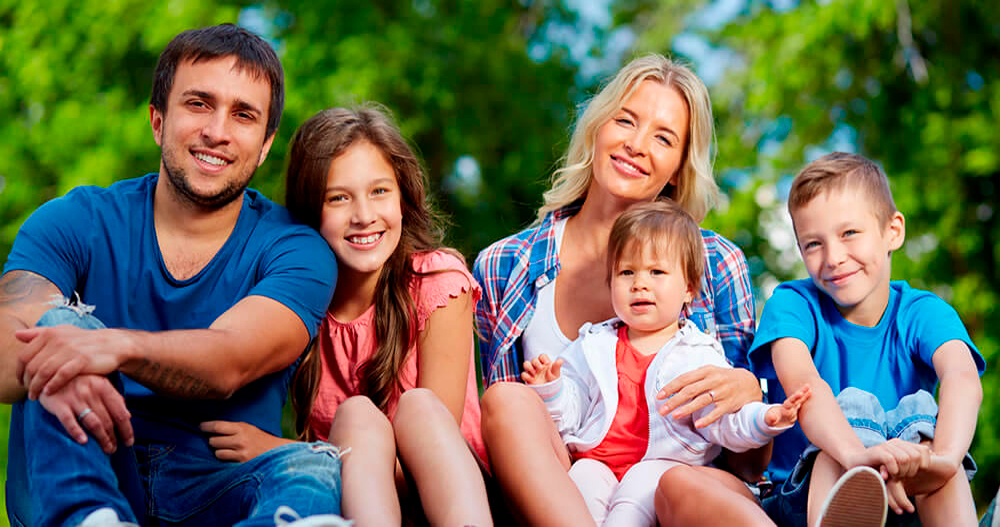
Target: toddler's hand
[
  {"x": 788, "y": 412},
  {"x": 541, "y": 370}
]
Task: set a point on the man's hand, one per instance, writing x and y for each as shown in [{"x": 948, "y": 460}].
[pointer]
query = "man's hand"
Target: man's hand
[
  {"x": 107, "y": 411},
  {"x": 235, "y": 441},
  {"x": 52, "y": 356},
  {"x": 788, "y": 412},
  {"x": 541, "y": 370}
]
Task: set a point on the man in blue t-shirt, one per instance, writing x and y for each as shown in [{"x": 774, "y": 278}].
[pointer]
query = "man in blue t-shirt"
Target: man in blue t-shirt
[
  {"x": 129, "y": 315},
  {"x": 872, "y": 350}
]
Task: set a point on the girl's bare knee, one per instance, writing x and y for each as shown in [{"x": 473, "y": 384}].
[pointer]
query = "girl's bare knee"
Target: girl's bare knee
[
  {"x": 358, "y": 415},
  {"x": 421, "y": 404}
]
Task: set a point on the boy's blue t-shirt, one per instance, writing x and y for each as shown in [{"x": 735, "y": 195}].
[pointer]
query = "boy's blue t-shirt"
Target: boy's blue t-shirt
[
  {"x": 890, "y": 360},
  {"x": 101, "y": 244}
]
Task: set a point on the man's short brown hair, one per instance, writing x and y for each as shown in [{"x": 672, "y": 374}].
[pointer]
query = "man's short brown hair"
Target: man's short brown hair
[
  {"x": 838, "y": 170},
  {"x": 253, "y": 54}
]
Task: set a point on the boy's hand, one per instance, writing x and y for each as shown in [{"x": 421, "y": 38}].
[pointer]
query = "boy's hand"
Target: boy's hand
[
  {"x": 541, "y": 370},
  {"x": 940, "y": 470},
  {"x": 894, "y": 459},
  {"x": 898, "y": 501},
  {"x": 786, "y": 414}
]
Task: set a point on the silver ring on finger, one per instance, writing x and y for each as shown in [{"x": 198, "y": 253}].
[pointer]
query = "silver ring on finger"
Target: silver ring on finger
[
  {"x": 712, "y": 395},
  {"x": 84, "y": 413}
]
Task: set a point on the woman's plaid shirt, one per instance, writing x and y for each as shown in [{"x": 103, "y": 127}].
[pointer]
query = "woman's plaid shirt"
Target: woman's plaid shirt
[{"x": 511, "y": 270}]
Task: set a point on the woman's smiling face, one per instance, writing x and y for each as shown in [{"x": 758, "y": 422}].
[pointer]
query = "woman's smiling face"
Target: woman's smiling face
[{"x": 639, "y": 150}]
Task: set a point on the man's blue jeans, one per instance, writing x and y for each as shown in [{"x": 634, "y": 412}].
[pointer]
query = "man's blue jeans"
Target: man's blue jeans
[{"x": 52, "y": 480}]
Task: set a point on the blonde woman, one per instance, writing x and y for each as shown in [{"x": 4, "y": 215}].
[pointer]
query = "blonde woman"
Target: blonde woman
[{"x": 647, "y": 133}]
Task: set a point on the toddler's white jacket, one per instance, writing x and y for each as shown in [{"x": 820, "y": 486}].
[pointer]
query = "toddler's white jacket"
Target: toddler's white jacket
[{"x": 584, "y": 399}]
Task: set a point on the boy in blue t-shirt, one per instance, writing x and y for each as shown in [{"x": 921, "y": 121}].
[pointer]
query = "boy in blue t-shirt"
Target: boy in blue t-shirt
[{"x": 872, "y": 350}]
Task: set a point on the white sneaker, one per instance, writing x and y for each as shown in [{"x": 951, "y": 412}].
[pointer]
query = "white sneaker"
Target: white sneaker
[
  {"x": 316, "y": 520},
  {"x": 105, "y": 517},
  {"x": 858, "y": 499}
]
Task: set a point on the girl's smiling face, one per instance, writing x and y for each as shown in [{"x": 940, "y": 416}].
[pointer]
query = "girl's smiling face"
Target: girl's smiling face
[{"x": 362, "y": 213}]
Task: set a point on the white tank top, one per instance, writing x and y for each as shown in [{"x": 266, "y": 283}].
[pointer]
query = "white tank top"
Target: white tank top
[{"x": 543, "y": 334}]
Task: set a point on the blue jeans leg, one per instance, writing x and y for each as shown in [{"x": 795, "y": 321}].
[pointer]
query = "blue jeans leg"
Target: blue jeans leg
[
  {"x": 913, "y": 420},
  {"x": 788, "y": 505},
  {"x": 52, "y": 480},
  {"x": 187, "y": 488}
]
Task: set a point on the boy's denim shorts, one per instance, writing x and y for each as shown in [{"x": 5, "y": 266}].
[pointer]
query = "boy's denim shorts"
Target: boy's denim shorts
[{"x": 912, "y": 420}]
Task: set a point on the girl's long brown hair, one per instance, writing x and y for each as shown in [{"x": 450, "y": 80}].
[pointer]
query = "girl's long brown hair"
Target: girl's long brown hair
[{"x": 317, "y": 142}]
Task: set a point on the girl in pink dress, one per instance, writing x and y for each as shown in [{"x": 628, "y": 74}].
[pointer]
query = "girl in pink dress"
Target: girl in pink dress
[{"x": 390, "y": 375}]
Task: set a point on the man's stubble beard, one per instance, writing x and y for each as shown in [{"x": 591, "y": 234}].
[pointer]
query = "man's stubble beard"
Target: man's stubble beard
[{"x": 185, "y": 192}]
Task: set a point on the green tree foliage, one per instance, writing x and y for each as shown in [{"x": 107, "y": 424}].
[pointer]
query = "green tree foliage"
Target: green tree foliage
[{"x": 913, "y": 85}]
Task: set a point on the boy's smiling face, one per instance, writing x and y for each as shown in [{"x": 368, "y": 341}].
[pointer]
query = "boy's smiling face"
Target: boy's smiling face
[{"x": 847, "y": 251}]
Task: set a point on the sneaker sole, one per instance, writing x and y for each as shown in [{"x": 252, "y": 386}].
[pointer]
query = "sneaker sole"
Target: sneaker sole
[{"x": 858, "y": 499}]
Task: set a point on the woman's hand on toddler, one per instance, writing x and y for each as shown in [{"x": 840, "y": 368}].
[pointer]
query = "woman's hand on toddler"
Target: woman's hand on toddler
[
  {"x": 240, "y": 442},
  {"x": 786, "y": 414},
  {"x": 727, "y": 388},
  {"x": 541, "y": 370}
]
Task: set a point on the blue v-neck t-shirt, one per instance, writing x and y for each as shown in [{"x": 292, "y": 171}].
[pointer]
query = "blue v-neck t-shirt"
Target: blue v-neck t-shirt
[{"x": 100, "y": 243}]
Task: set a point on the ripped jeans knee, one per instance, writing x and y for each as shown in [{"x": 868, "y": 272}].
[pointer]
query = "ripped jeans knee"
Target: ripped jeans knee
[{"x": 69, "y": 312}]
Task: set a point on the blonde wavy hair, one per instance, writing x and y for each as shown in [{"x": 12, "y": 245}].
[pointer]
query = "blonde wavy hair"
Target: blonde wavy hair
[{"x": 696, "y": 189}]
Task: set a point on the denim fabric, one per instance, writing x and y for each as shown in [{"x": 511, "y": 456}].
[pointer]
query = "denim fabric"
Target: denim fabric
[
  {"x": 86, "y": 477},
  {"x": 912, "y": 420},
  {"x": 189, "y": 489},
  {"x": 155, "y": 481}
]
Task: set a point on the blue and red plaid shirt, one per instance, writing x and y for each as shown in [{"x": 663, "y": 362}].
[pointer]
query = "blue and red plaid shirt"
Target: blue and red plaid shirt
[{"x": 511, "y": 270}]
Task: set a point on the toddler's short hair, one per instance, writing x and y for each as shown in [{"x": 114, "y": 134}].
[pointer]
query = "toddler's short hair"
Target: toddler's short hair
[
  {"x": 664, "y": 227},
  {"x": 835, "y": 172}
]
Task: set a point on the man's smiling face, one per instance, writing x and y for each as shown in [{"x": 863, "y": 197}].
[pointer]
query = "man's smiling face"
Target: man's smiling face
[{"x": 213, "y": 132}]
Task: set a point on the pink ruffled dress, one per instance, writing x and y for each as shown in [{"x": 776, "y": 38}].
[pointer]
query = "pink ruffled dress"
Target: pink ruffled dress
[{"x": 345, "y": 346}]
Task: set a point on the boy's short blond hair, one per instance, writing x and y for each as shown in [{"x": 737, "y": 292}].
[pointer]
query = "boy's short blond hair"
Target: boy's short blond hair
[
  {"x": 836, "y": 171},
  {"x": 666, "y": 228}
]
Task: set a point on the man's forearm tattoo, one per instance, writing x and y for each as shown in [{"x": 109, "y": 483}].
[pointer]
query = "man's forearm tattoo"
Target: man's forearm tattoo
[{"x": 171, "y": 381}]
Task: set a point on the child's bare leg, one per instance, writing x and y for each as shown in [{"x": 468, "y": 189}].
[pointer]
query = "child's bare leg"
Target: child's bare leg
[
  {"x": 368, "y": 470},
  {"x": 529, "y": 458},
  {"x": 634, "y": 501},
  {"x": 432, "y": 449},
  {"x": 597, "y": 484},
  {"x": 825, "y": 473},
  {"x": 949, "y": 505},
  {"x": 706, "y": 496}
]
